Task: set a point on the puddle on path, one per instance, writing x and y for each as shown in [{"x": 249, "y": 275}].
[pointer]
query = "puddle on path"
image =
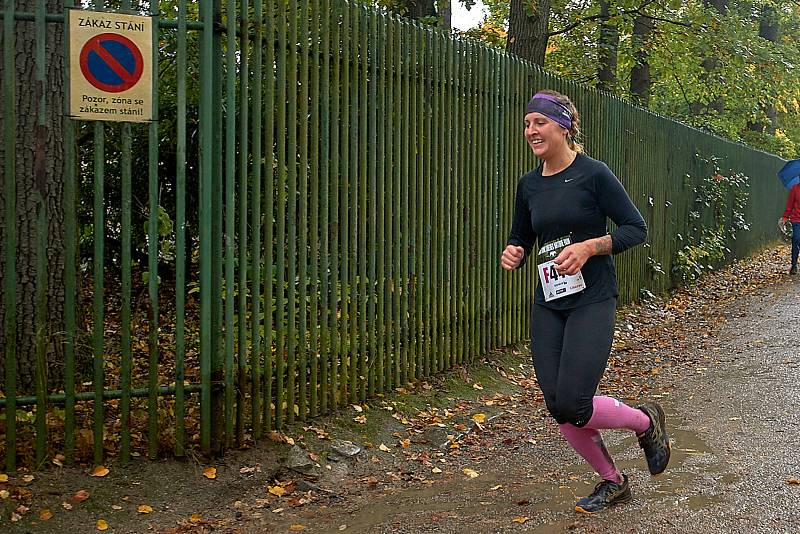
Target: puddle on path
[{"x": 695, "y": 480}]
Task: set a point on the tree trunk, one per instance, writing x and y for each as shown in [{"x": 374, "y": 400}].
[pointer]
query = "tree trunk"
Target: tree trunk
[
  {"x": 418, "y": 9},
  {"x": 39, "y": 171},
  {"x": 446, "y": 12},
  {"x": 769, "y": 29},
  {"x": 709, "y": 64},
  {"x": 607, "y": 44},
  {"x": 640, "y": 72},
  {"x": 527, "y": 29}
]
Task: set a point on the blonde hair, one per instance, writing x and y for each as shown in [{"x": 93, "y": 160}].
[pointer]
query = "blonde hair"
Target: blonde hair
[{"x": 574, "y": 133}]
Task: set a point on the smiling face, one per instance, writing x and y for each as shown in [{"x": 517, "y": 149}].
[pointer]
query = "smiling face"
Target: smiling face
[{"x": 546, "y": 138}]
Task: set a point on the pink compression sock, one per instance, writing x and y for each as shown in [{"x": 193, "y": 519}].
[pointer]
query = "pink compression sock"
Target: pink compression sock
[
  {"x": 589, "y": 443},
  {"x": 611, "y": 413}
]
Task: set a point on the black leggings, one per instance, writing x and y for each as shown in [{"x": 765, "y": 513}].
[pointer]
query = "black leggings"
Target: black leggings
[{"x": 570, "y": 351}]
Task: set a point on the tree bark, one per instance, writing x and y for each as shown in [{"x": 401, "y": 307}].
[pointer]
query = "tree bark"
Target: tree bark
[
  {"x": 640, "y": 72},
  {"x": 527, "y": 29},
  {"x": 39, "y": 171},
  {"x": 709, "y": 64},
  {"x": 607, "y": 45},
  {"x": 418, "y": 9},
  {"x": 769, "y": 29}
]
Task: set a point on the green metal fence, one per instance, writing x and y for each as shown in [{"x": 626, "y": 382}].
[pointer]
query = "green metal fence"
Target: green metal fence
[{"x": 326, "y": 191}]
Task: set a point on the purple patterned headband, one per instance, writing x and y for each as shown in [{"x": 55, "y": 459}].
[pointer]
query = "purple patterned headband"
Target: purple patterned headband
[{"x": 550, "y": 107}]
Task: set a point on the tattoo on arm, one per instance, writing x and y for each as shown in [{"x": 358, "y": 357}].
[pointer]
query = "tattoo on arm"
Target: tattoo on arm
[{"x": 602, "y": 245}]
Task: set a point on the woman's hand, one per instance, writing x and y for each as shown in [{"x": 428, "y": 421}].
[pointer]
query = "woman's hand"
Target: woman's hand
[
  {"x": 572, "y": 258},
  {"x": 512, "y": 257}
]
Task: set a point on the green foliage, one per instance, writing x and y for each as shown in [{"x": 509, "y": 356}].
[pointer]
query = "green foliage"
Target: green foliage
[{"x": 726, "y": 197}]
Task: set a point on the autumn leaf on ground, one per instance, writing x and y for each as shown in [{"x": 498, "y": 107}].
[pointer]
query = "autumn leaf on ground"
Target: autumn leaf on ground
[
  {"x": 383, "y": 447},
  {"x": 276, "y": 490},
  {"x": 358, "y": 408},
  {"x": 477, "y": 386},
  {"x": 4, "y": 494},
  {"x": 470, "y": 472},
  {"x": 436, "y": 470},
  {"x": 80, "y": 496},
  {"x": 793, "y": 481},
  {"x": 99, "y": 471},
  {"x": 45, "y": 514},
  {"x": 210, "y": 472},
  {"x": 497, "y": 487},
  {"x": 520, "y": 519},
  {"x": 144, "y": 509},
  {"x": 405, "y": 443},
  {"x": 27, "y": 479},
  {"x": 479, "y": 418},
  {"x": 101, "y": 524},
  {"x": 195, "y": 518},
  {"x": 362, "y": 419},
  {"x": 297, "y": 526},
  {"x": 3, "y": 477}
]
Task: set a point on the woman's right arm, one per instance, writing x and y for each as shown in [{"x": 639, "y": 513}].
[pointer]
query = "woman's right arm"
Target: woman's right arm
[{"x": 522, "y": 236}]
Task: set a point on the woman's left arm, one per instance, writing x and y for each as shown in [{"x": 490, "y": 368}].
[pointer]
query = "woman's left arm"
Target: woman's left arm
[{"x": 631, "y": 229}]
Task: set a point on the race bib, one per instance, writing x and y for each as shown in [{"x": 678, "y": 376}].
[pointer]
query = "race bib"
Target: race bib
[{"x": 554, "y": 284}]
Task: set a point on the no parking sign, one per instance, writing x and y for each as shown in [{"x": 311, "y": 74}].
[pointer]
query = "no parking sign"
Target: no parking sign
[{"x": 111, "y": 66}]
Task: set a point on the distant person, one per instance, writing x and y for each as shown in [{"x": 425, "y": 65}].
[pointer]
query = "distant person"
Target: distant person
[
  {"x": 792, "y": 214},
  {"x": 564, "y": 206}
]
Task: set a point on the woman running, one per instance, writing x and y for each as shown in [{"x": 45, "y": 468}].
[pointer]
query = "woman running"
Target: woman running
[{"x": 564, "y": 205}]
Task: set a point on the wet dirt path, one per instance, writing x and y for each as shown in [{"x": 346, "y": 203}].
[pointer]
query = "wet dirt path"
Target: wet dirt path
[{"x": 733, "y": 408}]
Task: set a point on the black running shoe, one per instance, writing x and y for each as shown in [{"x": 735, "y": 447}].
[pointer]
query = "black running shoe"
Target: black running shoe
[
  {"x": 793, "y": 270},
  {"x": 605, "y": 495},
  {"x": 655, "y": 440}
]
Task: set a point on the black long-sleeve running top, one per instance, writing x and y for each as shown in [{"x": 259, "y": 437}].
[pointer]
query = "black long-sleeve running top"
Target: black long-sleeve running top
[{"x": 577, "y": 202}]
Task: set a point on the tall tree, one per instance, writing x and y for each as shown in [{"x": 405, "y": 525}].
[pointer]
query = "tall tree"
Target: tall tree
[
  {"x": 769, "y": 29},
  {"x": 527, "y": 29},
  {"x": 607, "y": 44},
  {"x": 640, "y": 71},
  {"x": 39, "y": 162}
]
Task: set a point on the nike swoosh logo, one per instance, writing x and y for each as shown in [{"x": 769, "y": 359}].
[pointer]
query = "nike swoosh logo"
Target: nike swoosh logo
[{"x": 568, "y": 180}]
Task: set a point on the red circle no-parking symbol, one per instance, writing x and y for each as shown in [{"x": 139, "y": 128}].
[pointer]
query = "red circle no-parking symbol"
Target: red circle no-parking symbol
[{"x": 111, "y": 62}]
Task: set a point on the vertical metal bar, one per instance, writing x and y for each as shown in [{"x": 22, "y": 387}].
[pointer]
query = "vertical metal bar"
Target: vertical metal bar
[
  {"x": 69, "y": 258},
  {"x": 353, "y": 178},
  {"x": 361, "y": 254},
  {"x": 302, "y": 222},
  {"x": 268, "y": 43},
  {"x": 152, "y": 250},
  {"x": 404, "y": 205},
  {"x": 125, "y": 368},
  {"x": 389, "y": 288},
  {"x": 326, "y": 292},
  {"x": 230, "y": 213},
  {"x": 344, "y": 206},
  {"x": 40, "y": 298},
  {"x": 372, "y": 201},
  {"x": 441, "y": 193},
  {"x": 126, "y": 200},
  {"x": 397, "y": 280},
  {"x": 255, "y": 224},
  {"x": 280, "y": 302},
  {"x": 180, "y": 234},
  {"x": 417, "y": 60},
  {"x": 427, "y": 156},
  {"x": 381, "y": 79},
  {"x": 206, "y": 260},
  {"x": 97, "y": 336},
  {"x": 217, "y": 357},
  {"x": 314, "y": 231},
  {"x": 10, "y": 275},
  {"x": 336, "y": 293},
  {"x": 291, "y": 359},
  {"x": 244, "y": 206}
]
